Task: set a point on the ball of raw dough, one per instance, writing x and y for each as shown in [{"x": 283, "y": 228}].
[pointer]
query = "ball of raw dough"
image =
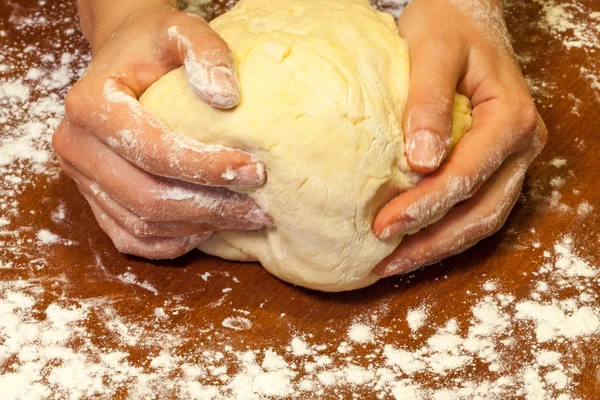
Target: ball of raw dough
[{"x": 323, "y": 92}]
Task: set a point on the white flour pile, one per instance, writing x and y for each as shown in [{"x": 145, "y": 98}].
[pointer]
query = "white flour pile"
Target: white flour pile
[
  {"x": 501, "y": 345},
  {"x": 48, "y": 348},
  {"x": 33, "y": 85},
  {"x": 573, "y": 23}
]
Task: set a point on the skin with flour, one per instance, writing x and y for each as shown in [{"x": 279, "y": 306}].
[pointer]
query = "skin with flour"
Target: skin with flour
[
  {"x": 464, "y": 44},
  {"x": 322, "y": 100},
  {"x": 465, "y": 47},
  {"x": 155, "y": 194}
]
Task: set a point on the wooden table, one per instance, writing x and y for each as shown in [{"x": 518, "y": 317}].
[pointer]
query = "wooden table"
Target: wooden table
[{"x": 198, "y": 303}]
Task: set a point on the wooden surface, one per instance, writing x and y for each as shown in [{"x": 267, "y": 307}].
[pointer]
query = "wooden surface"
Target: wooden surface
[{"x": 199, "y": 292}]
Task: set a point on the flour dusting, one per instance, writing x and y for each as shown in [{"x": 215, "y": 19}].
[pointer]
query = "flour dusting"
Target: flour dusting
[{"x": 500, "y": 344}]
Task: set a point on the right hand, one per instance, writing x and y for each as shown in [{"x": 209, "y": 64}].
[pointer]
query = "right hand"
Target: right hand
[
  {"x": 471, "y": 193},
  {"x": 155, "y": 193}
]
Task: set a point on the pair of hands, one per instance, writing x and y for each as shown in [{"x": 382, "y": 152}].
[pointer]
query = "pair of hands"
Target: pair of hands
[{"x": 158, "y": 195}]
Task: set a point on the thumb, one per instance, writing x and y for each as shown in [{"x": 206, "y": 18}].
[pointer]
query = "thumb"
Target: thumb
[
  {"x": 435, "y": 72},
  {"x": 208, "y": 62}
]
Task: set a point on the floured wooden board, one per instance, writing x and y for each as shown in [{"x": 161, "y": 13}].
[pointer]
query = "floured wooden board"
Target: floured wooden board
[{"x": 517, "y": 316}]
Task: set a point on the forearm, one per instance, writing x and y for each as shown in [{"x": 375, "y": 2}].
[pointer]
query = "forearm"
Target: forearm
[{"x": 101, "y": 18}]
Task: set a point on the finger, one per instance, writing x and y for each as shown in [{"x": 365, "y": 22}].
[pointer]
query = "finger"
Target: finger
[
  {"x": 436, "y": 68},
  {"x": 144, "y": 228},
  {"x": 500, "y": 130},
  {"x": 152, "y": 247},
  {"x": 208, "y": 62},
  {"x": 107, "y": 108},
  {"x": 158, "y": 201},
  {"x": 154, "y": 198},
  {"x": 465, "y": 225}
]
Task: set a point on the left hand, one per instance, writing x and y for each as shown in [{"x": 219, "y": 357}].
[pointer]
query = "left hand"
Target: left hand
[
  {"x": 460, "y": 46},
  {"x": 156, "y": 194}
]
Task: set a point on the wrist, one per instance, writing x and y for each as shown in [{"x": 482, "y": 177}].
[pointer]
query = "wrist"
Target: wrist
[{"x": 100, "y": 19}]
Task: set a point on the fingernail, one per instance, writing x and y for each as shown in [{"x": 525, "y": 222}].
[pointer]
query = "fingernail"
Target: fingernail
[
  {"x": 215, "y": 81},
  {"x": 393, "y": 229},
  {"x": 396, "y": 267},
  {"x": 259, "y": 219},
  {"x": 426, "y": 150},
  {"x": 225, "y": 81},
  {"x": 265, "y": 220},
  {"x": 248, "y": 174}
]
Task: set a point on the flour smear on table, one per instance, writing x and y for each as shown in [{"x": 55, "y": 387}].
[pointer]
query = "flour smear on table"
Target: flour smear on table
[{"x": 47, "y": 349}]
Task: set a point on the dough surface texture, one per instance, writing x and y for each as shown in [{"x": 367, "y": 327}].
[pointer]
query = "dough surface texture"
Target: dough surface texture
[{"x": 323, "y": 92}]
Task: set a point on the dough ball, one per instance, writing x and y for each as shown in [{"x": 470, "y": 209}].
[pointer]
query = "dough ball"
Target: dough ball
[{"x": 323, "y": 92}]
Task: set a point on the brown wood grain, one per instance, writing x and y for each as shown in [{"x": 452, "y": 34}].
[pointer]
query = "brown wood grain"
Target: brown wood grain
[{"x": 276, "y": 307}]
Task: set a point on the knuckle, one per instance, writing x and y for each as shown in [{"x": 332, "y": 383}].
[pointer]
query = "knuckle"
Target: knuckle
[
  {"x": 173, "y": 251},
  {"x": 178, "y": 18},
  {"x": 436, "y": 45},
  {"x": 493, "y": 222},
  {"x": 140, "y": 250},
  {"x": 62, "y": 163},
  {"x": 136, "y": 228},
  {"x": 526, "y": 116},
  {"x": 74, "y": 102},
  {"x": 464, "y": 187},
  {"x": 131, "y": 223},
  {"x": 542, "y": 134},
  {"x": 126, "y": 244},
  {"x": 72, "y": 173},
  {"x": 158, "y": 249},
  {"x": 194, "y": 29},
  {"x": 497, "y": 223},
  {"x": 121, "y": 245},
  {"x": 522, "y": 116},
  {"x": 529, "y": 117},
  {"x": 148, "y": 208},
  {"x": 118, "y": 236},
  {"x": 60, "y": 140},
  {"x": 435, "y": 100},
  {"x": 210, "y": 40},
  {"x": 432, "y": 110},
  {"x": 140, "y": 227},
  {"x": 148, "y": 200},
  {"x": 169, "y": 19},
  {"x": 471, "y": 190}
]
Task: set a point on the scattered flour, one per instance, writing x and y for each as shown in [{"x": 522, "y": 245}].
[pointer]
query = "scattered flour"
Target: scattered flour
[
  {"x": 237, "y": 323},
  {"x": 59, "y": 214},
  {"x": 416, "y": 319},
  {"x": 48, "y": 348},
  {"x": 584, "y": 209},
  {"x": 558, "y": 162},
  {"x": 299, "y": 347},
  {"x": 33, "y": 84},
  {"x": 558, "y": 182},
  {"x": 572, "y": 23},
  {"x": 360, "y": 333},
  {"x": 490, "y": 286},
  {"x": 47, "y": 237},
  {"x": 131, "y": 279}
]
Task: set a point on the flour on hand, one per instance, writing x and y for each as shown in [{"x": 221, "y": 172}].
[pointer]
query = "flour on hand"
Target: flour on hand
[{"x": 323, "y": 92}]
